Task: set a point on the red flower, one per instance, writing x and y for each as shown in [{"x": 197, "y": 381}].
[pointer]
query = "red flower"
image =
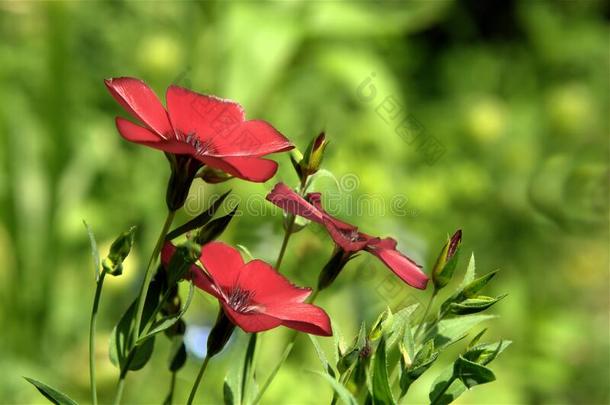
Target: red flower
[
  {"x": 253, "y": 295},
  {"x": 346, "y": 236},
  {"x": 211, "y": 130}
]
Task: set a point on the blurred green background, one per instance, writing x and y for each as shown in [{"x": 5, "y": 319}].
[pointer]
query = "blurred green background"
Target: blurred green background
[{"x": 516, "y": 94}]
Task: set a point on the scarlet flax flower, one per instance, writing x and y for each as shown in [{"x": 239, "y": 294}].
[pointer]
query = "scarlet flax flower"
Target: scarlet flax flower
[
  {"x": 253, "y": 295},
  {"x": 197, "y": 130},
  {"x": 349, "y": 240}
]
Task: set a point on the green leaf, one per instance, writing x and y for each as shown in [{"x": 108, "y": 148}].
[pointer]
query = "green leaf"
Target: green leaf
[
  {"x": 471, "y": 373},
  {"x": 486, "y": 353},
  {"x": 227, "y": 394},
  {"x": 382, "y": 393},
  {"x": 214, "y": 229},
  {"x": 167, "y": 322},
  {"x": 322, "y": 357},
  {"x": 50, "y": 393},
  {"x": 474, "y": 305},
  {"x": 95, "y": 254},
  {"x": 248, "y": 370},
  {"x": 470, "y": 273},
  {"x": 246, "y": 251},
  {"x": 346, "y": 397},
  {"x": 446, "y": 388},
  {"x": 400, "y": 324},
  {"x": 199, "y": 220},
  {"x": 381, "y": 324},
  {"x": 473, "y": 287},
  {"x": 449, "y": 331}
]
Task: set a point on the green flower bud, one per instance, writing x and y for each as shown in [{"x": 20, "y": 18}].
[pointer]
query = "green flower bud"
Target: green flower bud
[
  {"x": 213, "y": 176},
  {"x": 446, "y": 261},
  {"x": 120, "y": 248},
  {"x": 313, "y": 155}
]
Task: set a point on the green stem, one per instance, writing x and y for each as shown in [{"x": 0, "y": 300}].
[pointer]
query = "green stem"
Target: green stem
[
  {"x": 423, "y": 320},
  {"x": 287, "y": 235},
  {"x": 172, "y": 387},
  {"x": 119, "y": 390},
  {"x": 198, "y": 380},
  {"x": 285, "y": 354},
  {"x": 149, "y": 273},
  {"x": 96, "y": 303}
]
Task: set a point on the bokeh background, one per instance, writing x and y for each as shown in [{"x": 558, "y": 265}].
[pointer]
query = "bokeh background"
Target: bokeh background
[{"x": 507, "y": 110}]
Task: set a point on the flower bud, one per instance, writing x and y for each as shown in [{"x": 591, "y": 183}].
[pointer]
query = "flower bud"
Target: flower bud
[
  {"x": 446, "y": 261},
  {"x": 184, "y": 169},
  {"x": 213, "y": 176},
  {"x": 220, "y": 333},
  {"x": 332, "y": 269},
  {"x": 313, "y": 155},
  {"x": 120, "y": 248}
]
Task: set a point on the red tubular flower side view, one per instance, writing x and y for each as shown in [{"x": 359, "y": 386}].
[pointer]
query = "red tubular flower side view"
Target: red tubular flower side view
[
  {"x": 253, "y": 295},
  {"x": 197, "y": 130},
  {"x": 347, "y": 238}
]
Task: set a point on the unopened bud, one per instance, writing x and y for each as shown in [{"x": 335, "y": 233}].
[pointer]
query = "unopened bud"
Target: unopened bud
[
  {"x": 313, "y": 155},
  {"x": 213, "y": 176},
  {"x": 120, "y": 248},
  {"x": 446, "y": 261}
]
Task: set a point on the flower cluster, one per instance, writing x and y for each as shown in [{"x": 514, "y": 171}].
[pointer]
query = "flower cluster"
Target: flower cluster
[{"x": 209, "y": 138}]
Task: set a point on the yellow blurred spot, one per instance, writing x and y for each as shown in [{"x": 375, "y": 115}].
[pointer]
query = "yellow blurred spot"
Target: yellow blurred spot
[
  {"x": 486, "y": 119},
  {"x": 131, "y": 267},
  {"x": 160, "y": 54},
  {"x": 569, "y": 108}
]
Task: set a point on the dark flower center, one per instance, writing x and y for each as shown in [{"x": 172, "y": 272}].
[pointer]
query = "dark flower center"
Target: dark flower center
[
  {"x": 240, "y": 300},
  {"x": 201, "y": 148},
  {"x": 351, "y": 235}
]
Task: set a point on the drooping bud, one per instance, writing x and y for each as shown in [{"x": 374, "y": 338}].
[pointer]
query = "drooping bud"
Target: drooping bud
[
  {"x": 183, "y": 171},
  {"x": 446, "y": 261},
  {"x": 332, "y": 269},
  {"x": 213, "y": 176},
  {"x": 120, "y": 248},
  {"x": 313, "y": 156},
  {"x": 220, "y": 333}
]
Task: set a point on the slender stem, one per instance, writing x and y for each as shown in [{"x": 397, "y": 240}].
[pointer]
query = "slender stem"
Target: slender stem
[
  {"x": 285, "y": 354},
  {"x": 438, "y": 396},
  {"x": 287, "y": 235},
  {"x": 423, "y": 319},
  {"x": 172, "y": 386},
  {"x": 96, "y": 303},
  {"x": 119, "y": 390},
  {"x": 149, "y": 273},
  {"x": 198, "y": 380}
]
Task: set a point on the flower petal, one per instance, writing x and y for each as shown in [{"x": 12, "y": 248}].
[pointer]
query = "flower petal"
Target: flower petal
[
  {"x": 251, "y": 322},
  {"x": 222, "y": 262},
  {"x": 140, "y": 101},
  {"x": 249, "y": 138},
  {"x": 345, "y": 235},
  {"x": 288, "y": 200},
  {"x": 202, "y": 116},
  {"x": 269, "y": 286},
  {"x": 248, "y": 168},
  {"x": 302, "y": 317},
  {"x": 409, "y": 271},
  {"x": 137, "y": 134}
]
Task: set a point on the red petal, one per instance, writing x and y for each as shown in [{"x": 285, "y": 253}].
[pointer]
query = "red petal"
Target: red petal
[
  {"x": 285, "y": 198},
  {"x": 203, "y": 116},
  {"x": 248, "y": 168},
  {"x": 252, "y": 322},
  {"x": 302, "y": 317},
  {"x": 401, "y": 265},
  {"x": 140, "y": 101},
  {"x": 347, "y": 237},
  {"x": 222, "y": 262},
  {"x": 137, "y": 134},
  {"x": 269, "y": 286},
  {"x": 250, "y": 138}
]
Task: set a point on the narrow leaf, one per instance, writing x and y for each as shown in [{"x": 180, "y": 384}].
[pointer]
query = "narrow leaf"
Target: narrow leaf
[
  {"x": 346, "y": 397},
  {"x": 50, "y": 393},
  {"x": 199, "y": 220},
  {"x": 382, "y": 393}
]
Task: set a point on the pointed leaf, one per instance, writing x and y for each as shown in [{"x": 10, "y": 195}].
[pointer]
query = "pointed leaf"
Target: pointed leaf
[
  {"x": 474, "y": 305},
  {"x": 50, "y": 393},
  {"x": 214, "y": 229},
  {"x": 199, "y": 220},
  {"x": 471, "y": 373},
  {"x": 449, "y": 331},
  {"x": 382, "y": 393},
  {"x": 343, "y": 393},
  {"x": 446, "y": 388},
  {"x": 322, "y": 356}
]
